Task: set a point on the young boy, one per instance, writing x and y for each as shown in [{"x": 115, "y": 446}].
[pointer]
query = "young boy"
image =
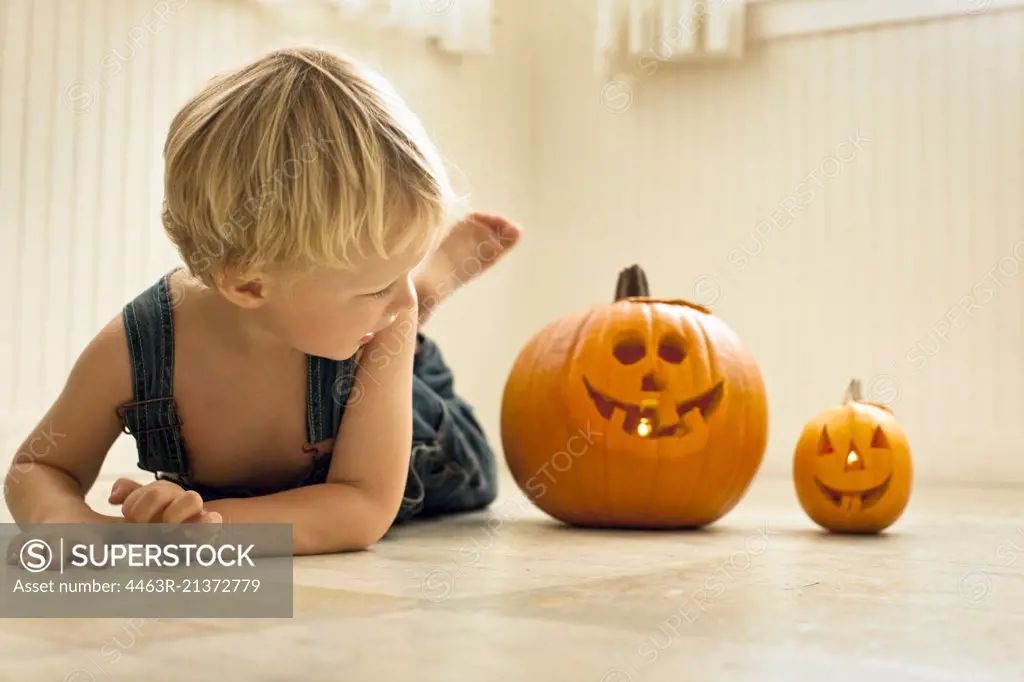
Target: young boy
[{"x": 283, "y": 378}]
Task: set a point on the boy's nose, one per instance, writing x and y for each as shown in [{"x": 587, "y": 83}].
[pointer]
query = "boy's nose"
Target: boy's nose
[{"x": 405, "y": 297}]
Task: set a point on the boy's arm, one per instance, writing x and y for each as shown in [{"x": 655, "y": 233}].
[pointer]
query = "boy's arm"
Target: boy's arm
[
  {"x": 370, "y": 462},
  {"x": 59, "y": 461}
]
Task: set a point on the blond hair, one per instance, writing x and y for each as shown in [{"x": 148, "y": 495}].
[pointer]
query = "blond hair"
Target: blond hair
[{"x": 301, "y": 159}]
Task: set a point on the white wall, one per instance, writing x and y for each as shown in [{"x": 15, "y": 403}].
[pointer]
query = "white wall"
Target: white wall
[
  {"x": 87, "y": 90},
  {"x": 861, "y": 280}
]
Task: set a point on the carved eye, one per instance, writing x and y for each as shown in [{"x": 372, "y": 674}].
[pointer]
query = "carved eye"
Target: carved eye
[
  {"x": 879, "y": 440},
  {"x": 671, "y": 349},
  {"x": 825, "y": 443},
  {"x": 630, "y": 348}
]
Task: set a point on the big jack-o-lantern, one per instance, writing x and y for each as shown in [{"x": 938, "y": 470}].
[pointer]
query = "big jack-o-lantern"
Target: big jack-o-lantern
[
  {"x": 641, "y": 413},
  {"x": 852, "y": 467}
]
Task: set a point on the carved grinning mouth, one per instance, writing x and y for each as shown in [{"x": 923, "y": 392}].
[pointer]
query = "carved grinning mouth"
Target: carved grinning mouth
[
  {"x": 707, "y": 403},
  {"x": 868, "y": 498}
]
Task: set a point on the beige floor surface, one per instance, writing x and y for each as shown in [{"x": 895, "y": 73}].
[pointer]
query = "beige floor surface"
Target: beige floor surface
[{"x": 510, "y": 595}]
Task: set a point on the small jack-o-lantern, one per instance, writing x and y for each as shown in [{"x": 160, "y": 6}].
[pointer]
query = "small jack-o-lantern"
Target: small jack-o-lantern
[
  {"x": 852, "y": 467},
  {"x": 644, "y": 413}
]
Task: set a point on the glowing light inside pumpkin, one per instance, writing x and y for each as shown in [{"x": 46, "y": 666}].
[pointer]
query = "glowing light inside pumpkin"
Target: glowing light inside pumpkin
[
  {"x": 644, "y": 427},
  {"x": 851, "y": 458}
]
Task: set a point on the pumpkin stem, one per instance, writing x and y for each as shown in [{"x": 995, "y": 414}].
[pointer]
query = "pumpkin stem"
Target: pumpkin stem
[
  {"x": 632, "y": 282},
  {"x": 853, "y": 392}
]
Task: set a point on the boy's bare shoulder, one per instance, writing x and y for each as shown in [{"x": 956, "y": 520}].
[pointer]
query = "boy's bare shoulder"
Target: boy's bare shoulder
[{"x": 104, "y": 365}]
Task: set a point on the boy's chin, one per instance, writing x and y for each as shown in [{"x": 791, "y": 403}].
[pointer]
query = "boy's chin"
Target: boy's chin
[
  {"x": 336, "y": 353},
  {"x": 348, "y": 354}
]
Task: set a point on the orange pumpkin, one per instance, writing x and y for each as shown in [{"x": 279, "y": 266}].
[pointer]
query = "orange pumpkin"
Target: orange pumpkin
[
  {"x": 852, "y": 466},
  {"x": 640, "y": 413}
]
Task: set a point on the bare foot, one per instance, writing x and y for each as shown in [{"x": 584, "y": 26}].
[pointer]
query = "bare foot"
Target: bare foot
[{"x": 471, "y": 247}]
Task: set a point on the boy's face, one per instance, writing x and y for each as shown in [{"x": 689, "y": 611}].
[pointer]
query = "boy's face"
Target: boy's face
[{"x": 331, "y": 314}]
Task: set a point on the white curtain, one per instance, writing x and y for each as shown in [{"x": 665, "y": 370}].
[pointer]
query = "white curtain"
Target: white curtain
[
  {"x": 456, "y": 26},
  {"x": 635, "y": 35}
]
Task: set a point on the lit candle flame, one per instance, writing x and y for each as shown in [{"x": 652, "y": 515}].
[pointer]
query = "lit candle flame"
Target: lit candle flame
[
  {"x": 644, "y": 427},
  {"x": 851, "y": 458}
]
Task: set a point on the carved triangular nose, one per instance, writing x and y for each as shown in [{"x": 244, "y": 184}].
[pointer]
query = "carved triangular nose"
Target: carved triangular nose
[
  {"x": 651, "y": 383},
  {"x": 854, "y": 462}
]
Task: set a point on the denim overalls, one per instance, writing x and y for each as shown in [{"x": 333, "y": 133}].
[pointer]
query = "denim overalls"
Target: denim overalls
[{"x": 452, "y": 468}]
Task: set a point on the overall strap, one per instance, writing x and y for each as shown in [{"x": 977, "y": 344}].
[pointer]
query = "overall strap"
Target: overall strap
[
  {"x": 152, "y": 418},
  {"x": 329, "y": 385}
]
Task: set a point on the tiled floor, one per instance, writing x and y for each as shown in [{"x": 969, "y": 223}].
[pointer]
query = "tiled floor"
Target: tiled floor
[{"x": 511, "y": 595}]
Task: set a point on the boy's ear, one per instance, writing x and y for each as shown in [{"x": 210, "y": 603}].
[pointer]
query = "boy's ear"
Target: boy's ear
[{"x": 248, "y": 292}]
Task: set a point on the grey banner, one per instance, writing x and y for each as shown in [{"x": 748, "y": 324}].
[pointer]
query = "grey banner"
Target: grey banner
[{"x": 138, "y": 570}]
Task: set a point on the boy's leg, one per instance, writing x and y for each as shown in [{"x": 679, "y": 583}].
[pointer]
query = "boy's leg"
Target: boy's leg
[
  {"x": 453, "y": 467},
  {"x": 471, "y": 247}
]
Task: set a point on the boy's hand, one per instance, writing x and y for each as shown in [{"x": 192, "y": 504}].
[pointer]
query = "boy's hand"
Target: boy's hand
[{"x": 159, "y": 502}]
